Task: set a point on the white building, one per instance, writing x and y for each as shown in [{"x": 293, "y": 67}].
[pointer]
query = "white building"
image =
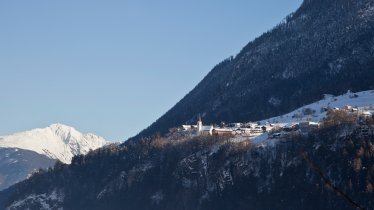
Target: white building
[{"x": 203, "y": 130}]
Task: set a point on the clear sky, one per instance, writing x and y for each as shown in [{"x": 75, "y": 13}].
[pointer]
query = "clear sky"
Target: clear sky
[{"x": 112, "y": 67}]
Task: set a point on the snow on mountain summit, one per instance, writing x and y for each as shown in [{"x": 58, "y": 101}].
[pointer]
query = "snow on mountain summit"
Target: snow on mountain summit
[{"x": 56, "y": 141}]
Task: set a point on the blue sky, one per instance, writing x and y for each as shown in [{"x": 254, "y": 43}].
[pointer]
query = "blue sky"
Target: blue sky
[{"x": 113, "y": 67}]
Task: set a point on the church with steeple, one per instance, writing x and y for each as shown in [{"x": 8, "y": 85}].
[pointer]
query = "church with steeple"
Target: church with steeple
[
  {"x": 199, "y": 128},
  {"x": 203, "y": 130}
]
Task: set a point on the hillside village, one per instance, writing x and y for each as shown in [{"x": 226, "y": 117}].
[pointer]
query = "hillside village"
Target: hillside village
[
  {"x": 252, "y": 130},
  {"x": 302, "y": 120}
]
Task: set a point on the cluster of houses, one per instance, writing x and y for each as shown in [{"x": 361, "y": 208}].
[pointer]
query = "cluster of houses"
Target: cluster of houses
[
  {"x": 356, "y": 110},
  {"x": 246, "y": 129},
  {"x": 252, "y": 130}
]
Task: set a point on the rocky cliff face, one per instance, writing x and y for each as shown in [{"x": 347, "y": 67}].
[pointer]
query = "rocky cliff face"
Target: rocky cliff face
[{"x": 326, "y": 46}]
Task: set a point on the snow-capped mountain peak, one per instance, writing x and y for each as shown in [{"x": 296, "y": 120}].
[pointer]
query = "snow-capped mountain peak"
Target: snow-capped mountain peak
[{"x": 56, "y": 141}]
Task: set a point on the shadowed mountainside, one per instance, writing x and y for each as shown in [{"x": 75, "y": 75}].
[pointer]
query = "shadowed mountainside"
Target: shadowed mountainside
[{"x": 326, "y": 46}]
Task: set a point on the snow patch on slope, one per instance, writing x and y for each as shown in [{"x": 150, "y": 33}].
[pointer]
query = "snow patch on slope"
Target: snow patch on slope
[
  {"x": 56, "y": 142},
  {"x": 361, "y": 100},
  {"x": 43, "y": 202}
]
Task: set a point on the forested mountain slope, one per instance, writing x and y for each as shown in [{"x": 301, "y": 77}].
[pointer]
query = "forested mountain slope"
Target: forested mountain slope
[
  {"x": 329, "y": 168},
  {"x": 326, "y": 46}
]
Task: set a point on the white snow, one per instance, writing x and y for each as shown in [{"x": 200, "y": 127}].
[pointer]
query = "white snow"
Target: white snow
[
  {"x": 56, "y": 141},
  {"x": 263, "y": 140},
  {"x": 44, "y": 200},
  {"x": 260, "y": 139},
  {"x": 157, "y": 197},
  {"x": 364, "y": 100}
]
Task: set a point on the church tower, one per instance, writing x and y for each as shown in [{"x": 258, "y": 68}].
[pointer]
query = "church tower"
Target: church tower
[{"x": 199, "y": 124}]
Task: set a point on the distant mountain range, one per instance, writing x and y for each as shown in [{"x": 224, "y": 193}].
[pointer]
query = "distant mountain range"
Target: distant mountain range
[
  {"x": 326, "y": 46},
  {"x": 23, "y": 153}
]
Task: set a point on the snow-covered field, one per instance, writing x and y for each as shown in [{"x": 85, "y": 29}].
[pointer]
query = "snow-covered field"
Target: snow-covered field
[{"x": 361, "y": 100}]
